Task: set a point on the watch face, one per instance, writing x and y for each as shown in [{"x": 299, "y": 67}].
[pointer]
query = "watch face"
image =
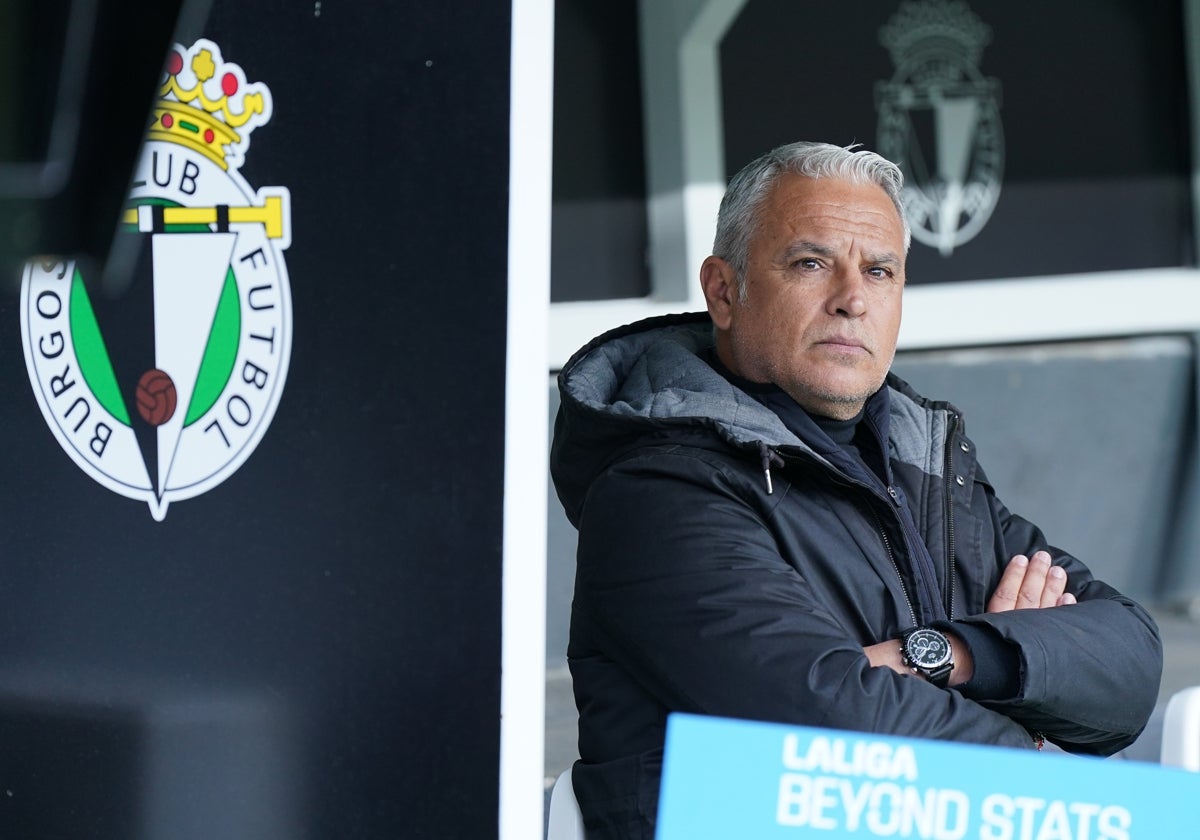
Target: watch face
[{"x": 927, "y": 648}]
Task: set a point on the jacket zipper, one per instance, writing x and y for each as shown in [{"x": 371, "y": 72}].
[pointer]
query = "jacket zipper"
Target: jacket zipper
[
  {"x": 769, "y": 456},
  {"x": 927, "y": 586},
  {"x": 887, "y": 545},
  {"x": 948, "y": 501}
]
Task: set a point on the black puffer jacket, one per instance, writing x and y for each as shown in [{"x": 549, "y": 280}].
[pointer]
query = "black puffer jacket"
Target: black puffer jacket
[{"x": 706, "y": 585}]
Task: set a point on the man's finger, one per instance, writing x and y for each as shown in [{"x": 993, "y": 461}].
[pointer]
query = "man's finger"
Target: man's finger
[
  {"x": 1056, "y": 585},
  {"x": 1005, "y": 596},
  {"x": 1030, "y": 596}
]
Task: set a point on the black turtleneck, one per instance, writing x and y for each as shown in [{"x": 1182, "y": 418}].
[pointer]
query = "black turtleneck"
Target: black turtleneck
[{"x": 840, "y": 432}]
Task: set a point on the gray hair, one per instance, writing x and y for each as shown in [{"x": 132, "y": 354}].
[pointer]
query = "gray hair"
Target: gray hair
[{"x": 749, "y": 188}]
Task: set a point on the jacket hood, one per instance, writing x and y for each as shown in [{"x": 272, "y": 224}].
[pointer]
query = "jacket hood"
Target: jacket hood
[{"x": 646, "y": 382}]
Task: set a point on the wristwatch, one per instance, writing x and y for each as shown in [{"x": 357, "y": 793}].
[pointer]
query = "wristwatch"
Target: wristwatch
[{"x": 928, "y": 651}]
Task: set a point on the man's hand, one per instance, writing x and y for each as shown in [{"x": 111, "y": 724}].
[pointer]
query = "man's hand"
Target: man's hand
[
  {"x": 1027, "y": 583},
  {"x": 1030, "y": 583}
]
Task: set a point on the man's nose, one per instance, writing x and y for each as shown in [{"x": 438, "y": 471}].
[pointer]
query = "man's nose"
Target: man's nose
[{"x": 846, "y": 295}]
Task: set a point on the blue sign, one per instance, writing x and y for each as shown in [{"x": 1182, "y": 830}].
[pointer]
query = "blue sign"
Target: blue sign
[{"x": 760, "y": 781}]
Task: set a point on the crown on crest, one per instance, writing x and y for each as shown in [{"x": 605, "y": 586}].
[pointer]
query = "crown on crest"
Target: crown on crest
[
  {"x": 924, "y": 27},
  {"x": 205, "y": 104}
]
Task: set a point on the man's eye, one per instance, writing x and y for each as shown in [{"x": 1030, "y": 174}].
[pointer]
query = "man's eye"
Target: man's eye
[
  {"x": 808, "y": 263},
  {"x": 879, "y": 271}
]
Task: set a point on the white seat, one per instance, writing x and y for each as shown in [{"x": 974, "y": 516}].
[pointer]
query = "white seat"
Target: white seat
[
  {"x": 1181, "y": 730},
  {"x": 566, "y": 823}
]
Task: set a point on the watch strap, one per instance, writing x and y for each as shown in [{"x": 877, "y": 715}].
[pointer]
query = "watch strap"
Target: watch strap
[{"x": 940, "y": 676}]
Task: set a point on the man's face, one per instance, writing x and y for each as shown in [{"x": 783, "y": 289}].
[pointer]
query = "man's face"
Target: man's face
[{"x": 823, "y": 294}]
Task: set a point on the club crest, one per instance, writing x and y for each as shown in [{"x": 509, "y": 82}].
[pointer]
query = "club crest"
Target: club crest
[
  {"x": 939, "y": 119},
  {"x": 160, "y": 378}
]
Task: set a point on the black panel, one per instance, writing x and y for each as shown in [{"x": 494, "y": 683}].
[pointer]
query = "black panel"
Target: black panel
[
  {"x": 599, "y": 225},
  {"x": 344, "y": 583}
]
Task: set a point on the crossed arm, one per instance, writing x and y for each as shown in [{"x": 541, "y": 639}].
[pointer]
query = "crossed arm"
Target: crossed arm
[
  {"x": 683, "y": 585},
  {"x": 1027, "y": 583}
]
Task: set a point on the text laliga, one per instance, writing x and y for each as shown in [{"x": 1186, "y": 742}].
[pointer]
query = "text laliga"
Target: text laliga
[
  {"x": 831, "y": 795},
  {"x": 873, "y": 759}
]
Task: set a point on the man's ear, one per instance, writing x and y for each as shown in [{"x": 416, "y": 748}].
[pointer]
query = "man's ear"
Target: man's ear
[{"x": 719, "y": 282}]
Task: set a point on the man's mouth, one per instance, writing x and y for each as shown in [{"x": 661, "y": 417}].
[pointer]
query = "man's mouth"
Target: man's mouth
[{"x": 844, "y": 343}]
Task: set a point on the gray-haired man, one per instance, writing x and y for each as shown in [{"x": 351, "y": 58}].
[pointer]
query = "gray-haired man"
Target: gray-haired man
[{"x": 773, "y": 527}]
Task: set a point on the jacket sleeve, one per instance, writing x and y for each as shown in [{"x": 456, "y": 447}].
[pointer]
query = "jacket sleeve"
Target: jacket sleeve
[
  {"x": 681, "y": 583},
  {"x": 1089, "y": 672}
]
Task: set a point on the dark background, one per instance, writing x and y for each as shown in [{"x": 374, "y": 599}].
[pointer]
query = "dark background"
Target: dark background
[
  {"x": 344, "y": 583},
  {"x": 598, "y": 247},
  {"x": 1093, "y": 107}
]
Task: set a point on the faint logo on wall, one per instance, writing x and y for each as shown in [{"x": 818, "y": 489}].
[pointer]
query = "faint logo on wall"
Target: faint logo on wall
[
  {"x": 160, "y": 378},
  {"x": 939, "y": 119}
]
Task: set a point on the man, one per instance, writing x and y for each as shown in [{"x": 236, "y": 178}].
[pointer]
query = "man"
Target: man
[{"x": 772, "y": 526}]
